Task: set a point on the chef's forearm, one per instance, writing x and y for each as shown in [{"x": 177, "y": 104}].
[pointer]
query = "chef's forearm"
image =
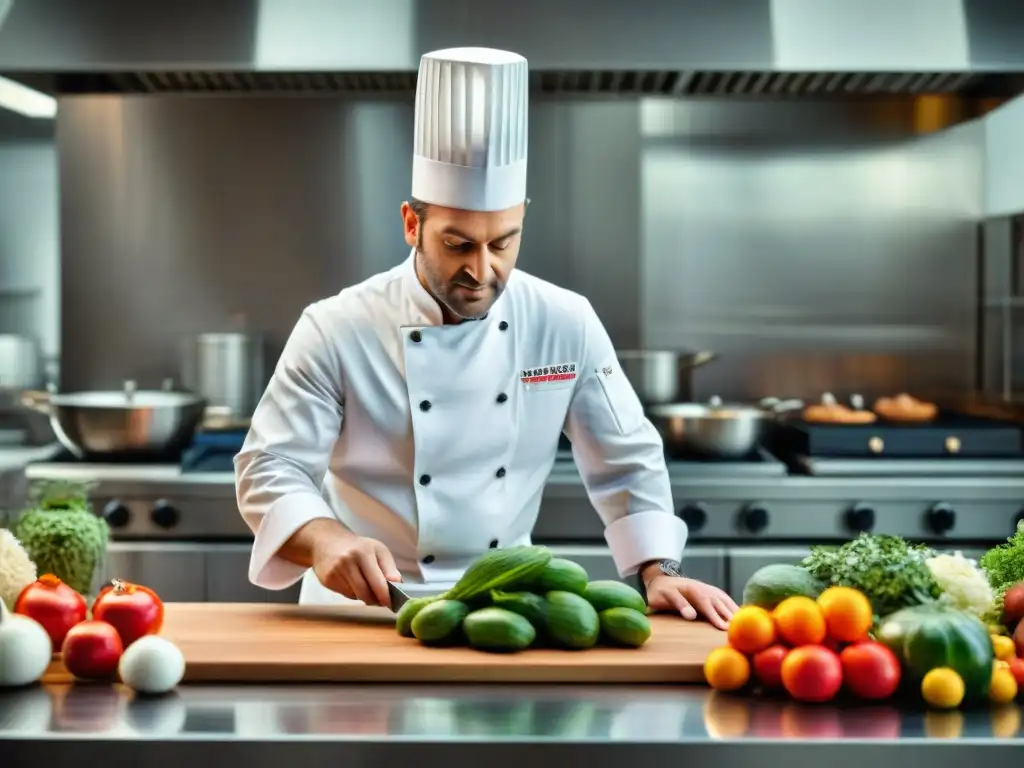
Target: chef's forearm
[{"x": 299, "y": 547}]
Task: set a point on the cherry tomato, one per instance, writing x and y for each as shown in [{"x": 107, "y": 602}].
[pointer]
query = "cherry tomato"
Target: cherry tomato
[
  {"x": 53, "y": 604},
  {"x": 812, "y": 673},
  {"x": 1017, "y": 670},
  {"x": 870, "y": 670},
  {"x": 133, "y": 610},
  {"x": 768, "y": 666},
  {"x": 92, "y": 650}
]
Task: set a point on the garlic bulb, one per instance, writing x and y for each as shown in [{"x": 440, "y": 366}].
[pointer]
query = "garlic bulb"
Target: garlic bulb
[
  {"x": 152, "y": 664},
  {"x": 17, "y": 570},
  {"x": 25, "y": 649}
]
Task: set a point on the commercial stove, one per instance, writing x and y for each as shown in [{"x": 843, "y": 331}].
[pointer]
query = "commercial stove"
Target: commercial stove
[{"x": 177, "y": 526}]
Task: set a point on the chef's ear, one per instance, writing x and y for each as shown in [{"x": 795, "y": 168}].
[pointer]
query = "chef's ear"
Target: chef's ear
[{"x": 413, "y": 214}]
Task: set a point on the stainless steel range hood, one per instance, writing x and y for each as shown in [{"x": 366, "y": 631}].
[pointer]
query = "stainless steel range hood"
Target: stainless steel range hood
[{"x": 683, "y": 47}]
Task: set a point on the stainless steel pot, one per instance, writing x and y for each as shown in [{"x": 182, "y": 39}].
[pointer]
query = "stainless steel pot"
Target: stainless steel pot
[
  {"x": 20, "y": 363},
  {"x": 228, "y": 369},
  {"x": 661, "y": 375},
  {"x": 716, "y": 429},
  {"x": 130, "y": 423}
]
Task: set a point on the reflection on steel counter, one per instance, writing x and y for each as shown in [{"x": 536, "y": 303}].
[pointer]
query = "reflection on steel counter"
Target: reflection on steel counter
[{"x": 690, "y": 714}]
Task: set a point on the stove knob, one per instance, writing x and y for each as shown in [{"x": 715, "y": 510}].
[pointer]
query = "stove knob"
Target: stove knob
[
  {"x": 116, "y": 514},
  {"x": 164, "y": 515},
  {"x": 941, "y": 518},
  {"x": 860, "y": 518},
  {"x": 694, "y": 515},
  {"x": 754, "y": 518}
]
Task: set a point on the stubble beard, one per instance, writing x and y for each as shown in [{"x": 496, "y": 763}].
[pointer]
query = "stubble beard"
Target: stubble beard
[{"x": 443, "y": 291}]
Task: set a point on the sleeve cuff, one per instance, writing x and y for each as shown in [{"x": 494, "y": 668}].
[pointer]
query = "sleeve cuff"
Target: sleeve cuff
[
  {"x": 285, "y": 517},
  {"x": 645, "y": 536}
]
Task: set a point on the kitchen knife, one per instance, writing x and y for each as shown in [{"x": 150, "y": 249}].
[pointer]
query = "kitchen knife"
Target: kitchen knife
[{"x": 400, "y": 595}]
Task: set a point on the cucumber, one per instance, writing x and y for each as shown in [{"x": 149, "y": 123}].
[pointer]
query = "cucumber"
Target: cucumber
[
  {"x": 624, "y": 626},
  {"x": 439, "y": 621},
  {"x": 498, "y": 630},
  {"x": 403, "y": 621},
  {"x": 531, "y": 607},
  {"x": 773, "y": 583},
  {"x": 561, "y": 575},
  {"x": 613, "y": 594},
  {"x": 572, "y": 621},
  {"x": 498, "y": 569}
]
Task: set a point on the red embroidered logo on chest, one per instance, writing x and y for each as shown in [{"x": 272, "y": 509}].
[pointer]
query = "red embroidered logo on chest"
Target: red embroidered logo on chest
[{"x": 544, "y": 374}]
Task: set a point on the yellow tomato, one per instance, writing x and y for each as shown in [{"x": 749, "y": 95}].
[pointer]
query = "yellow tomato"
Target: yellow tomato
[{"x": 942, "y": 688}]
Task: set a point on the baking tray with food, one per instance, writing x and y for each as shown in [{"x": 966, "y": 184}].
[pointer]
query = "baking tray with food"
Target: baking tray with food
[{"x": 895, "y": 427}]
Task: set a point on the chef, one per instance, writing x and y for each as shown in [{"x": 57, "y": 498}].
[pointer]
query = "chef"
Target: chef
[{"x": 412, "y": 419}]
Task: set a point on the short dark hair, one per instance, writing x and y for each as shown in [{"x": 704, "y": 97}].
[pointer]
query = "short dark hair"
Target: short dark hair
[{"x": 420, "y": 208}]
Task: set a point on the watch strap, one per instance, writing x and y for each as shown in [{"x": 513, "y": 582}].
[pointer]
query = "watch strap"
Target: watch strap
[{"x": 667, "y": 568}]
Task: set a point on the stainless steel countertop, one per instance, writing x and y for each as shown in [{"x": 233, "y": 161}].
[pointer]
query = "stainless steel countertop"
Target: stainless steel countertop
[
  {"x": 312, "y": 721},
  {"x": 567, "y": 477}
]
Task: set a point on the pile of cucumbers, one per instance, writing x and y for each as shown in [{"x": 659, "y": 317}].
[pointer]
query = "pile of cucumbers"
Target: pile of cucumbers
[{"x": 521, "y": 597}]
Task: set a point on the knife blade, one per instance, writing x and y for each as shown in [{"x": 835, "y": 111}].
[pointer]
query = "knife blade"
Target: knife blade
[{"x": 400, "y": 595}]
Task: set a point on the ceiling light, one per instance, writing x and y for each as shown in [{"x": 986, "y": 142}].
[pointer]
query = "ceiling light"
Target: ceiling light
[{"x": 26, "y": 101}]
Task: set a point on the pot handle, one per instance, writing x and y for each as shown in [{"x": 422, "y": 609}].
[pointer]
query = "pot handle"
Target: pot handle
[
  {"x": 698, "y": 359},
  {"x": 36, "y": 401},
  {"x": 781, "y": 407}
]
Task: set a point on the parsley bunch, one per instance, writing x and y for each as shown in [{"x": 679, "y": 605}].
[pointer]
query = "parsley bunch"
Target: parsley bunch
[
  {"x": 891, "y": 572},
  {"x": 1004, "y": 565}
]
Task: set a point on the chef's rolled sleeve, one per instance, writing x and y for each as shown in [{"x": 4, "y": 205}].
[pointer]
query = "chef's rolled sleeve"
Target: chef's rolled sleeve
[
  {"x": 281, "y": 468},
  {"x": 621, "y": 458}
]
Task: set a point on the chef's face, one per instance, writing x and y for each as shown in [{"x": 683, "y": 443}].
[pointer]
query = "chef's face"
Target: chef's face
[{"x": 464, "y": 258}]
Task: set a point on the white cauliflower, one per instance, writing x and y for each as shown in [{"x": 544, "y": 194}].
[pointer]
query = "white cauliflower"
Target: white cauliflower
[
  {"x": 17, "y": 570},
  {"x": 963, "y": 584}
]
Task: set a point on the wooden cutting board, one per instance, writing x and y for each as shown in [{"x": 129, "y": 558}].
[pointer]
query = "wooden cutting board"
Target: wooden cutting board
[{"x": 246, "y": 642}]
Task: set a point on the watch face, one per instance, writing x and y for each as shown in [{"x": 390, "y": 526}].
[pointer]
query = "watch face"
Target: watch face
[{"x": 669, "y": 568}]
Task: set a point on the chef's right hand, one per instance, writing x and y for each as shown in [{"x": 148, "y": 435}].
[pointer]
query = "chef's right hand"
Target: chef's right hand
[{"x": 356, "y": 567}]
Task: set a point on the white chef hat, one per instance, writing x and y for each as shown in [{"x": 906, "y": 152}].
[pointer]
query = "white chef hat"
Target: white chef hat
[{"x": 470, "y": 133}]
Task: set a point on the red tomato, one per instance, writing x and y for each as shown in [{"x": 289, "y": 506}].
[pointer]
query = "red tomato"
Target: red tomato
[
  {"x": 768, "y": 665},
  {"x": 53, "y": 604},
  {"x": 812, "y": 673},
  {"x": 870, "y": 670},
  {"x": 133, "y": 610},
  {"x": 92, "y": 650},
  {"x": 1017, "y": 670}
]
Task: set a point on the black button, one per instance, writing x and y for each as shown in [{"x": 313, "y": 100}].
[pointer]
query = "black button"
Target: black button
[
  {"x": 428, "y": 559},
  {"x": 424, "y": 479},
  {"x": 502, "y": 326},
  {"x": 500, "y": 472},
  {"x": 494, "y": 543},
  {"x": 425, "y": 405},
  {"x": 502, "y": 397},
  {"x": 416, "y": 336}
]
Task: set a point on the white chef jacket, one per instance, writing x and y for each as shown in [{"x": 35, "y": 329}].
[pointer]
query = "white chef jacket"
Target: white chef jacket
[{"x": 437, "y": 439}]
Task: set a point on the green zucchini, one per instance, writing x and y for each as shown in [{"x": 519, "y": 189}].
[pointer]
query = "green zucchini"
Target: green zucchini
[{"x": 499, "y": 569}]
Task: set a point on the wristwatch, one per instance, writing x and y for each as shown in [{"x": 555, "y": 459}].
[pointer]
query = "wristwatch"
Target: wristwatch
[{"x": 667, "y": 567}]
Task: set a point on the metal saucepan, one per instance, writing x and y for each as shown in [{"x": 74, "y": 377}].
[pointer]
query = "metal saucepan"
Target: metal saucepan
[
  {"x": 130, "y": 423},
  {"x": 716, "y": 429},
  {"x": 20, "y": 363},
  {"x": 660, "y": 375}
]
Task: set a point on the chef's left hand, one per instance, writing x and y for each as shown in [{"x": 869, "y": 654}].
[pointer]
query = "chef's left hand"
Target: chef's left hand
[{"x": 690, "y": 598}]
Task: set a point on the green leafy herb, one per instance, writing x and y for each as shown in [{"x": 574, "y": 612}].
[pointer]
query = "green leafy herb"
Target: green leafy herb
[
  {"x": 891, "y": 572},
  {"x": 60, "y": 494},
  {"x": 1004, "y": 565},
  {"x": 61, "y": 534}
]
